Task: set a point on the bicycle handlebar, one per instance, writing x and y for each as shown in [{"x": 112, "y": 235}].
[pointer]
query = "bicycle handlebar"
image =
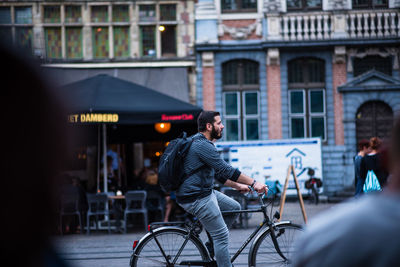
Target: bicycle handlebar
[{"x": 260, "y": 195}]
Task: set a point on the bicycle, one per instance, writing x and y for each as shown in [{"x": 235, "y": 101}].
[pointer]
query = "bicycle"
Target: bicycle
[
  {"x": 179, "y": 243},
  {"x": 313, "y": 184}
]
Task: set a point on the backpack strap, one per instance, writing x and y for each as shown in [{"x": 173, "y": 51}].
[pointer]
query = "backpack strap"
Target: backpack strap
[{"x": 195, "y": 170}]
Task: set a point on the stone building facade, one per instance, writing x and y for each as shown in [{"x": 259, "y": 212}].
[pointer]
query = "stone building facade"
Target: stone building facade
[{"x": 279, "y": 69}]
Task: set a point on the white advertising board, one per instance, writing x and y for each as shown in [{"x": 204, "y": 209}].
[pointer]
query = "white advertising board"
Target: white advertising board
[{"x": 269, "y": 160}]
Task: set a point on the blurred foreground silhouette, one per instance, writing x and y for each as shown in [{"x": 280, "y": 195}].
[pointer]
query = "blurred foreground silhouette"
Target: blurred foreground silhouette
[{"x": 34, "y": 144}]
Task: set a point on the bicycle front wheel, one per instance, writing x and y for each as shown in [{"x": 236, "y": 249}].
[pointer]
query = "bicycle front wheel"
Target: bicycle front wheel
[
  {"x": 264, "y": 253},
  {"x": 149, "y": 253}
]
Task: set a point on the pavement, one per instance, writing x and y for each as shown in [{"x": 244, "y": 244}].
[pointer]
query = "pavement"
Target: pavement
[{"x": 104, "y": 250}]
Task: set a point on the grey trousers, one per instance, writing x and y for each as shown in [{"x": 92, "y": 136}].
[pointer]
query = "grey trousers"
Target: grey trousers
[{"x": 208, "y": 211}]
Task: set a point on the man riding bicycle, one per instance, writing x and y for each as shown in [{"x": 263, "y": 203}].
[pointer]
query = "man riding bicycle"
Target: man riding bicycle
[{"x": 196, "y": 194}]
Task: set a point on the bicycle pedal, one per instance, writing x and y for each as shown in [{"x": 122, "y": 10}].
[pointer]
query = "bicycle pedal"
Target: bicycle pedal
[{"x": 277, "y": 215}]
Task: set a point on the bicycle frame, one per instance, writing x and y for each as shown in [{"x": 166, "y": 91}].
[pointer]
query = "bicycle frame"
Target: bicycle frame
[
  {"x": 267, "y": 222},
  {"x": 192, "y": 234}
]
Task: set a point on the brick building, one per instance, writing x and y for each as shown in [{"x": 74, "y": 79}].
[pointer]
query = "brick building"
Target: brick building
[{"x": 280, "y": 69}]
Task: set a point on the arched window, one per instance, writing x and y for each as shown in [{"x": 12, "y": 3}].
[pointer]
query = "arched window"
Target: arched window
[
  {"x": 382, "y": 64},
  {"x": 241, "y": 100},
  {"x": 307, "y": 104}
]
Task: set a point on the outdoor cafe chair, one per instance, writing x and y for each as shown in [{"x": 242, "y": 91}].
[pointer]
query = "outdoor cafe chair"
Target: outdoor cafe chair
[
  {"x": 97, "y": 207},
  {"x": 135, "y": 202},
  {"x": 69, "y": 205}
]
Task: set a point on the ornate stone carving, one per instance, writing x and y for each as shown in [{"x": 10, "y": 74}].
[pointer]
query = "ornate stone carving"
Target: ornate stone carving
[
  {"x": 208, "y": 59},
  {"x": 240, "y": 33},
  {"x": 338, "y": 4},
  {"x": 272, "y": 6},
  {"x": 273, "y": 56},
  {"x": 339, "y": 56},
  {"x": 388, "y": 51}
]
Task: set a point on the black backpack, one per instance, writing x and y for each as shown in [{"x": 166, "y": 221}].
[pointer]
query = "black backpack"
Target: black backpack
[{"x": 170, "y": 170}]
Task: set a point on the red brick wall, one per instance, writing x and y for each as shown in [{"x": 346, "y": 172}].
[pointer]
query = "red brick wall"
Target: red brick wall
[
  {"x": 339, "y": 78},
  {"x": 274, "y": 102},
  {"x": 208, "y": 88},
  {"x": 239, "y": 24}
]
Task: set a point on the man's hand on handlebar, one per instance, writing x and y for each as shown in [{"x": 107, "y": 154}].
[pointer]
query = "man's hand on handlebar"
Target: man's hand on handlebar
[{"x": 260, "y": 188}]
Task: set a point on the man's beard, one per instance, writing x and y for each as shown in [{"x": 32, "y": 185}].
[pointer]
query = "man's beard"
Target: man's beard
[{"x": 214, "y": 134}]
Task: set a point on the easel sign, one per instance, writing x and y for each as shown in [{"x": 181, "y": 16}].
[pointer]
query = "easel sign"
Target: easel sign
[{"x": 285, "y": 187}]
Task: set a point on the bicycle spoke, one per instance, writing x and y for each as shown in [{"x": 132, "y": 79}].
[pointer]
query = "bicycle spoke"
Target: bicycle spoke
[
  {"x": 266, "y": 254},
  {"x": 151, "y": 259},
  {"x": 149, "y": 253}
]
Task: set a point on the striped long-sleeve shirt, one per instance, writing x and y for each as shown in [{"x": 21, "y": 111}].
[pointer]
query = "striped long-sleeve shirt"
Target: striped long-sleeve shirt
[{"x": 203, "y": 154}]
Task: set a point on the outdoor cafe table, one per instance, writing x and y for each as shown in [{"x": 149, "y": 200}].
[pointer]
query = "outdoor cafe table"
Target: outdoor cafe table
[{"x": 117, "y": 197}]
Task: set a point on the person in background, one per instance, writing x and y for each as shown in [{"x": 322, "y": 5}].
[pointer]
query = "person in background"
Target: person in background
[
  {"x": 115, "y": 160},
  {"x": 83, "y": 204},
  {"x": 373, "y": 161},
  {"x": 363, "y": 146},
  {"x": 35, "y": 137},
  {"x": 362, "y": 232},
  {"x": 111, "y": 177},
  {"x": 169, "y": 204},
  {"x": 69, "y": 191}
]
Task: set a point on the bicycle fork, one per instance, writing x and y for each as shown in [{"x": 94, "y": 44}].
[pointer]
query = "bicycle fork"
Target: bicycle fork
[{"x": 275, "y": 241}]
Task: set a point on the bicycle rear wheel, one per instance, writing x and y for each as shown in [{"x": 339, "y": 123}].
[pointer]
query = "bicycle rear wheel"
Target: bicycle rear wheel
[
  {"x": 314, "y": 193},
  {"x": 264, "y": 253},
  {"x": 148, "y": 253}
]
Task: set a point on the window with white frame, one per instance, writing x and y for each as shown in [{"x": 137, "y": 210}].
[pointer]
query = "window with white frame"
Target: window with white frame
[
  {"x": 241, "y": 100},
  {"x": 16, "y": 25},
  {"x": 158, "y": 25},
  {"x": 307, "y": 99}
]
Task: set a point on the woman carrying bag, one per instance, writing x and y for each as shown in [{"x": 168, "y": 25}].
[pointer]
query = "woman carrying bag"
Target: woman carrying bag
[{"x": 372, "y": 168}]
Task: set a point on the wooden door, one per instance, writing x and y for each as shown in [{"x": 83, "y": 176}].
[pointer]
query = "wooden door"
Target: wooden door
[{"x": 374, "y": 118}]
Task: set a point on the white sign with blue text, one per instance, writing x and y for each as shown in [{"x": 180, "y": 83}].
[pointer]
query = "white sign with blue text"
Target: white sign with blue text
[{"x": 269, "y": 160}]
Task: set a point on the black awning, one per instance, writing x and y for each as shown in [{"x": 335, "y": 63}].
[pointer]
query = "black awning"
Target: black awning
[{"x": 105, "y": 99}]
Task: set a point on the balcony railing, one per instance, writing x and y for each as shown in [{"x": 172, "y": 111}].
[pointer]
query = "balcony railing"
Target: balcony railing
[
  {"x": 372, "y": 25},
  {"x": 325, "y": 26}
]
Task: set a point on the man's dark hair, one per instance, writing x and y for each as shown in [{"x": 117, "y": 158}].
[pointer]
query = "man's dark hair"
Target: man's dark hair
[
  {"x": 205, "y": 117},
  {"x": 363, "y": 143}
]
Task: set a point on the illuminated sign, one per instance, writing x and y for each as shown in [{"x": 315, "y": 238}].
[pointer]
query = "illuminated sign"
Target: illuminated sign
[
  {"x": 93, "y": 117},
  {"x": 182, "y": 117}
]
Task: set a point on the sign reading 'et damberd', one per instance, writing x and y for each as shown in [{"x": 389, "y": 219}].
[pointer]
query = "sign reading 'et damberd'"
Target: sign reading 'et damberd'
[{"x": 93, "y": 117}]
